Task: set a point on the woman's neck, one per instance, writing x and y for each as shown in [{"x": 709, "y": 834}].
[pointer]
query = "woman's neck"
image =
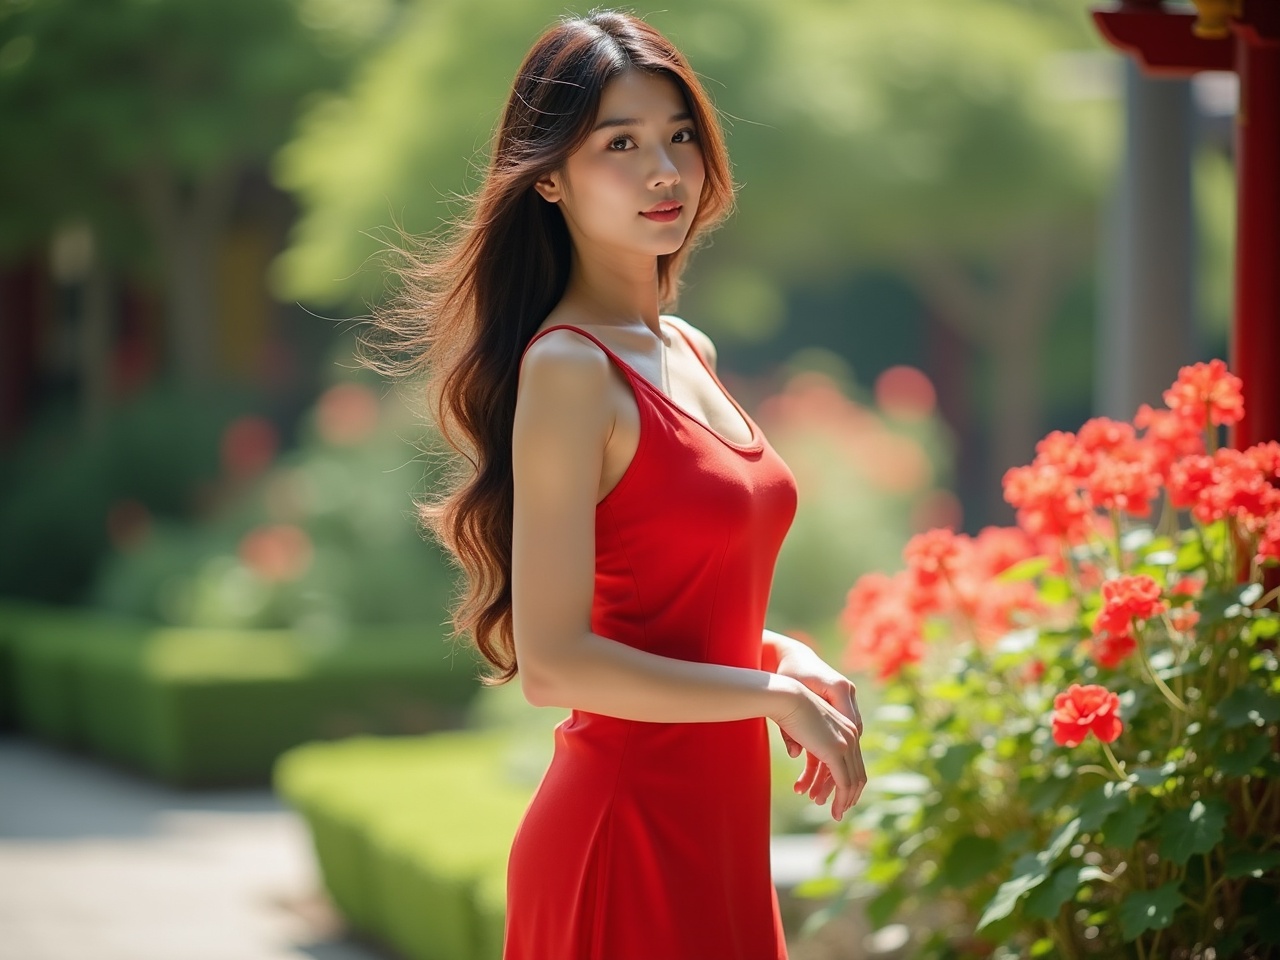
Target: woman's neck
[{"x": 615, "y": 289}]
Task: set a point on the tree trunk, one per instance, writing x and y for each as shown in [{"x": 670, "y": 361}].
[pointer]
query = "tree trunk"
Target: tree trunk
[
  {"x": 1007, "y": 318},
  {"x": 96, "y": 324},
  {"x": 187, "y": 227}
]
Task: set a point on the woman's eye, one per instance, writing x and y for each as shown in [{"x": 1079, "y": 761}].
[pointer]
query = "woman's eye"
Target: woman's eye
[
  {"x": 684, "y": 136},
  {"x": 613, "y": 144}
]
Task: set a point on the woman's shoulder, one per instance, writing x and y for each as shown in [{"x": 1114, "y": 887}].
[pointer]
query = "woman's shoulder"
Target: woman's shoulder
[
  {"x": 564, "y": 364},
  {"x": 701, "y": 341}
]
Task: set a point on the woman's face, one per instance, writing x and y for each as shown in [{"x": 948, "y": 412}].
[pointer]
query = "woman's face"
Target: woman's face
[{"x": 641, "y": 153}]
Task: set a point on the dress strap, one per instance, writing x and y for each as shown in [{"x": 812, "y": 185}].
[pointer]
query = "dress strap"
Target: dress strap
[{"x": 626, "y": 367}]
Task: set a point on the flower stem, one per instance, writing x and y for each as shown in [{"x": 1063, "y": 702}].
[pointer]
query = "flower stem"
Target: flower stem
[
  {"x": 1094, "y": 768},
  {"x": 1169, "y": 695},
  {"x": 1115, "y": 764},
  {"x": 1267, "y": 598}
]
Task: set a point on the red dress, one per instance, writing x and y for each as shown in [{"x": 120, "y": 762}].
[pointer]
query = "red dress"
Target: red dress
[{"x": 650, "y": 841}]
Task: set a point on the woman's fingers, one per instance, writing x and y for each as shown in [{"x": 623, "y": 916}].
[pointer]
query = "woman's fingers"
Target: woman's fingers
[{"x": 812, "y": 768}]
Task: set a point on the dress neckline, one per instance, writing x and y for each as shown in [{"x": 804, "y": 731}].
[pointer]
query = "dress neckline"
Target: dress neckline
[{"x": 755, "y": 443}]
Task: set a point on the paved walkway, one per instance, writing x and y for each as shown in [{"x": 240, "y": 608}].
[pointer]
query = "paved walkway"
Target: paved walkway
[{"x": 97, "y": 864}]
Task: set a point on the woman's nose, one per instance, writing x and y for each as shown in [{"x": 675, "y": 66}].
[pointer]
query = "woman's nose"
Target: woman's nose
[{"x": 665, "y": 172}]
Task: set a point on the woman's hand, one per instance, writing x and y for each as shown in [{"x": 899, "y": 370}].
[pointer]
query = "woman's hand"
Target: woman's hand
[
  {"x": 833, "y": 742},
  {"x": 799, "y": 662}
]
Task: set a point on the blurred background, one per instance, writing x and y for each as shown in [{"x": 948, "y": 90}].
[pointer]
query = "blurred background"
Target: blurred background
[{"x": 925, "y": 273}]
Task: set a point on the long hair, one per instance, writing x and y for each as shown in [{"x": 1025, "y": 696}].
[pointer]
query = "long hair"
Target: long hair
[{"x": 471, "y": 300}]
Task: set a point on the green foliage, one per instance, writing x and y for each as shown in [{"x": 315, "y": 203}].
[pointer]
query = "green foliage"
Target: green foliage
[
  {"x": 937, "y": 124},
  {"x": 408, "y": 854},
  {"x": 59, "y": 485},
  {"x": 217, "y": 706},
  {"x": 1157, "y": 838},
  {"x": 323, "y": 537},
  {"x": 96, "y": 96}
]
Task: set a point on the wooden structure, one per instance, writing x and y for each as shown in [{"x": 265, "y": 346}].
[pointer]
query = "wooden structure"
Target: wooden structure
[{"x": 1241, "y": 36}]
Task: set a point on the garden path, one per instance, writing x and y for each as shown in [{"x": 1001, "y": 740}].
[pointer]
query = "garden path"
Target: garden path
[{"x": 99, "y": 864}]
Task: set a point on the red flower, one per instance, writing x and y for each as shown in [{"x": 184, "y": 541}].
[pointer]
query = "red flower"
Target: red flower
[
  {"x": 1047, "y": 502},
  {"x": 1110, "y": 649},
  {"x": 277, "y": 552},
  {"x": 1081, "y": 710},
  {"x": 1127, "y": 598},
  {"x": 1243, "y": 490},
  {"x": 1184, "y": 619},
  {"x": 1105, "y": 436},
  {"x": 1124, "y": 485},
  {"x": 886, "y": 631},
  {"x": 931, "y": 555},
  {"x": 1266, "y": 457},
  {"x": 1188, "y": 478},
  {"x": 1207, "y": 390},
  {"x": 996, "y": 549},
  {"x": 1063, "y": 450},
  {"x": 1167, "y": 438}
]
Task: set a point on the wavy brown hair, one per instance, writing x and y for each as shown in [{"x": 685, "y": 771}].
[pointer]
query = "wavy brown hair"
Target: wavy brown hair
[{"x": 471, "y": 299}]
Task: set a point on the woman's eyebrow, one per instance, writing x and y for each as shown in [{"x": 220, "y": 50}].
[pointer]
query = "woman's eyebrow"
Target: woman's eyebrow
[{"x": 633, "y": 122}]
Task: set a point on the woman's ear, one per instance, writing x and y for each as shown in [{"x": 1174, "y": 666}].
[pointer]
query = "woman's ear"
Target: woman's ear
[{"x": 548, "y": 187}]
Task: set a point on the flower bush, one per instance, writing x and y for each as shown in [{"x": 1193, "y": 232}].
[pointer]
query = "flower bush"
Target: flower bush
[{"x": 1077, "y": 748}]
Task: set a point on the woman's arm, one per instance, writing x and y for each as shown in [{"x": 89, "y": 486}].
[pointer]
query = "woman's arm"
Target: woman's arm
[{"x": 563, "y": 419}]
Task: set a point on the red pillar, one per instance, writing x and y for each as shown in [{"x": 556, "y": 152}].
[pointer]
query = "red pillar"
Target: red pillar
[
  {"x": 1165, "y": 42},
  {"x": 1255, "y": 344}
]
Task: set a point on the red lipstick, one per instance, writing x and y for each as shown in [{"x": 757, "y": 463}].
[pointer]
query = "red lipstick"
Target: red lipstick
[{"x": 664, "y": 212}]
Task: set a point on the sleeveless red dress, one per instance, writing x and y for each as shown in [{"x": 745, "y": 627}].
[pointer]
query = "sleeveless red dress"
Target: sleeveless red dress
[{"x": 650, "y": 841}]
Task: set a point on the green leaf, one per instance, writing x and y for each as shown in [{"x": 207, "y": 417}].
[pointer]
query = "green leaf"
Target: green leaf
[
  {"x": 1029, "y": 872},
  {"x": 1144, "y": 910},
  {"x": 1007, "y": 897},
  {"x": 1251, "y": 864},
  {"x": 1150, "y": 777},
  {"x": 1044, "y": 794},
  {"x": 819, "y": 888},
  {"x": 969, "y": 859},
  {"x": 1249, "y": 706},
  {"x": 1242, "y": 762},
  {"x": 1264, "y": 625},
  {"x": 1023, "y": 570},
  {"x": 1190, "y": 556},
  {"x": 1101, "y": 802},
  {"x": 1055, "y": 590},
  {"x": 1060, "y": 841},
  {"x": 958, "y": 756},
  {"x": 881, "y": 908},
  {"x": 1197, "y": 829},
  {"x": 1046, "y": 899},
  {"x": 1123, "y": 828}
]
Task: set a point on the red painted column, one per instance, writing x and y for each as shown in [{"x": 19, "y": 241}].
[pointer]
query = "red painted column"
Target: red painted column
[{"x": 1255, "y": 342}]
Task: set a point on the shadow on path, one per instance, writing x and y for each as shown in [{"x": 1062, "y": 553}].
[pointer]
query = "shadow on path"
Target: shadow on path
[{"x": 97, "y": 863}]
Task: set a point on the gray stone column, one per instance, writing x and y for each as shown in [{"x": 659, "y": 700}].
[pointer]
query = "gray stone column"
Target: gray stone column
[{"x": 1147, "y": 326}]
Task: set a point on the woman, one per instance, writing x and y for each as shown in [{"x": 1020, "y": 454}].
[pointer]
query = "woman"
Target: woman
[{"x": 619, "y": 514}]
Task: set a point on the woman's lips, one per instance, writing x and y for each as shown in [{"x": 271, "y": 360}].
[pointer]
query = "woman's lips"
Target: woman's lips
[{"x": 663, "y": 216}]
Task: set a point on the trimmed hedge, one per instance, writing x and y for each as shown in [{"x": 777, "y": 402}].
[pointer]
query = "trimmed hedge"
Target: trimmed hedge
[
  {"x": 412, "y": 835},
  {"x": 214, "y": 706}
]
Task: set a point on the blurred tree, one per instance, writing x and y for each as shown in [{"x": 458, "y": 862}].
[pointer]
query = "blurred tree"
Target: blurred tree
[
  {"x": 939, "y": 139},
  {"x": 134, "y": 119}
]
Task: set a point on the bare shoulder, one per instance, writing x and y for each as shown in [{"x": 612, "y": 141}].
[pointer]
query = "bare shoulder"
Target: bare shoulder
[
  {"x": 563, "y": 392},
  {"x": 703, "y": 342},
  {"x": 564, "y": 364}
]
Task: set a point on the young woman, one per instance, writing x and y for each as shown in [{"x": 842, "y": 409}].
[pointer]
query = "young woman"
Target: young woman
[{"x": 618, "y": 514}]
